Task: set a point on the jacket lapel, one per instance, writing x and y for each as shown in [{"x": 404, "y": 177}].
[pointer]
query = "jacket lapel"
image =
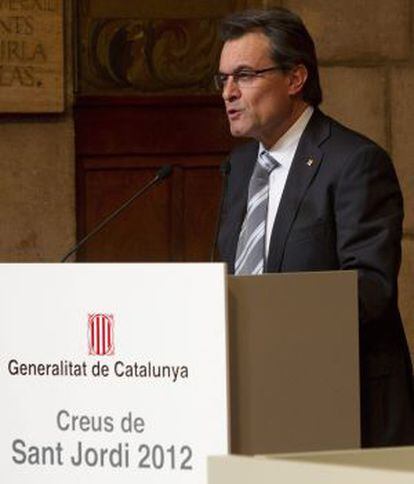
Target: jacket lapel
[{"x": 304, "y": 167}]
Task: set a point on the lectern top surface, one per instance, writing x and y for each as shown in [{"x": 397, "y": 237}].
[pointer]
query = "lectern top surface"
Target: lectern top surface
[{"x": 392, "y": 458}]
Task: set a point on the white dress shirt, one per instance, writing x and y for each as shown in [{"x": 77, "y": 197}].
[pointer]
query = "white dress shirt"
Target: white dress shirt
[{"x": 283, "y": 151}]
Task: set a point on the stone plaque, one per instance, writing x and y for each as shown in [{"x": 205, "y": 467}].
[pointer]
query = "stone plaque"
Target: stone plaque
[{"x": 31, "y": 56}]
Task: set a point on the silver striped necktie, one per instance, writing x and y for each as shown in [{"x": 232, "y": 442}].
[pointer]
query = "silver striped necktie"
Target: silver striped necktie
[{"x": 250, "y": 255}]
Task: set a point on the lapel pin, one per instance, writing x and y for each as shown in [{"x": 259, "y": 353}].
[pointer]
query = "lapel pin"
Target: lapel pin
[{"x": 310, "y": 162}]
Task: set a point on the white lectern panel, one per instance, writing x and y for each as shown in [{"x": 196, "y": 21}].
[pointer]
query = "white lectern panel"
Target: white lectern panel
[{"x": 112, "y": 372}]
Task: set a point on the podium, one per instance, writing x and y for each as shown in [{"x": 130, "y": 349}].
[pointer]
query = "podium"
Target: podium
[
  {"x": 112, "y": 372},
  {"x": 294, "y": 362},
  {"x": 140, "y": 371}
]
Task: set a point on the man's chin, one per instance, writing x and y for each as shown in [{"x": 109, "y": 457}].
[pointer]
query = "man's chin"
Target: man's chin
[{"x": 238, "y": 131}]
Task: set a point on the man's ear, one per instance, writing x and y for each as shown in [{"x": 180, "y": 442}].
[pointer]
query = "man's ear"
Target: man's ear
[{"x": 297, "y": 78}]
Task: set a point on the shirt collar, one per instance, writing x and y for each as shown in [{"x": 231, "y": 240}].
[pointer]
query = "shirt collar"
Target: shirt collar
[{"x": 286, "y": 145}]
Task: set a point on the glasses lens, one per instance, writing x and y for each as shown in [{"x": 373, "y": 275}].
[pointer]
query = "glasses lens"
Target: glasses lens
[{"x": 219, "y": 81}]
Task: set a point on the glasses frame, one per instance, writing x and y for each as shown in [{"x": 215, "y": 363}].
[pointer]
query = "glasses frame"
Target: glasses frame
[{"x": 220, "y": 79}]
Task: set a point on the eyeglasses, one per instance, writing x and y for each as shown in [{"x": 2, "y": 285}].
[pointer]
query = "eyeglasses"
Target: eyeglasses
[{"x": 243, "y": 77}]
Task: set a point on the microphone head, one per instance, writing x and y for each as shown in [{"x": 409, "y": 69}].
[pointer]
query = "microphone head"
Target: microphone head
[
  {"x": 225, "y": 167},
  {"x": 164, "y": 172}
]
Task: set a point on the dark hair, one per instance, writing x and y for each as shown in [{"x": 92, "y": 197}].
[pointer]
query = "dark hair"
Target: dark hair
[{"x": 291, "y": 42}]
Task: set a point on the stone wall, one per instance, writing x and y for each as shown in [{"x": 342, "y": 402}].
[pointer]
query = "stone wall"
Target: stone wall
[{"x": 37, "y": 186}]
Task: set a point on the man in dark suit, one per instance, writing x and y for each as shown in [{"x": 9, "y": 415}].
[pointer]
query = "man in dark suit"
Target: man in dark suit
[{"x": 308, "y": 194}]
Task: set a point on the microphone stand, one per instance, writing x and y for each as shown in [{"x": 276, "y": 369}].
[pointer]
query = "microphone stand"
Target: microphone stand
[
  {"x": 162, "y": 173},
  {"x": 225, "y": 168}
]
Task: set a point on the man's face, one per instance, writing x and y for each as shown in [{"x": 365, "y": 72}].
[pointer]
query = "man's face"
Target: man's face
[{"x": 260, "y": 109}]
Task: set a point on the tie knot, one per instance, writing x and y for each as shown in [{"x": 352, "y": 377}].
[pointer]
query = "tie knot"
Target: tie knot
[{"x": 267, "y": 161}]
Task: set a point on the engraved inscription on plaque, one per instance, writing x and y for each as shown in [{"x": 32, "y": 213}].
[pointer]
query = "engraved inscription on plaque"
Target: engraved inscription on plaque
[{"x": 31, "y": 56}]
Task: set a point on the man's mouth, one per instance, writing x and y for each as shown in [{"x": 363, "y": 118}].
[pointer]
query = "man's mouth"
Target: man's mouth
[{"x": 233, "y": 113}]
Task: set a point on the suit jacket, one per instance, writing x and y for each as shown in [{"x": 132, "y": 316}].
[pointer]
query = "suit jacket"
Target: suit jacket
[{"x": 343, "y": 210}]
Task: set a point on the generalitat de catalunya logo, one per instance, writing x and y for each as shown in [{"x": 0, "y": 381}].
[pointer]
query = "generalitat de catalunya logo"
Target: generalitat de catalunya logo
[{"x": 101, "y": 334}]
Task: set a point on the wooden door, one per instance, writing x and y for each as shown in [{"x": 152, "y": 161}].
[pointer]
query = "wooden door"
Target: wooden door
[{"x": 121, "y": 142}]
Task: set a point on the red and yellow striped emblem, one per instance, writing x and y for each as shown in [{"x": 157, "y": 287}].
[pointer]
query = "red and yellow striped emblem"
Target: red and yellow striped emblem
[{"x": 101, "y": 334}]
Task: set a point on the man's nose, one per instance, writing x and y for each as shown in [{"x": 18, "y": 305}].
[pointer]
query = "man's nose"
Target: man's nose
[{"x": 231, "y": 90}]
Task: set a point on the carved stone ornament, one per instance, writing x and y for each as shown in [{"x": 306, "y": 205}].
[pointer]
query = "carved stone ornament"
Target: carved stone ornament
[{"x": 148, "y": 56}]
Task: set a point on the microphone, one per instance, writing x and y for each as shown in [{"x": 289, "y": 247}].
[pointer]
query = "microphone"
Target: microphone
[
  {"x": 163, "y": 172},
  {"x": 225, "y": 169}
]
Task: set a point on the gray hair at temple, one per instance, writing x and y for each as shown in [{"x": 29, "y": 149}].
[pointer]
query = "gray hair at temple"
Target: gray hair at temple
[{"x": 290, "y": 41}]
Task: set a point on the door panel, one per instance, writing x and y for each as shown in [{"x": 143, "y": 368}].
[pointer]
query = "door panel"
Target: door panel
[{"x": 121, "y": 143}]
